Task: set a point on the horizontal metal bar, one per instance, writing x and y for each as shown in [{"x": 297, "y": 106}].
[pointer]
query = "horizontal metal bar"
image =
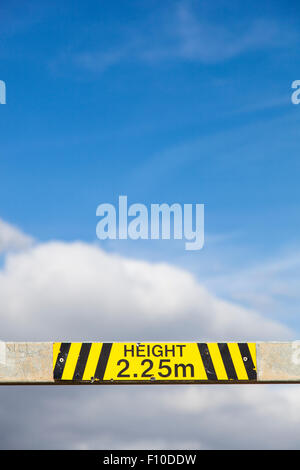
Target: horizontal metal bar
[{"x": 48, "y": 363}]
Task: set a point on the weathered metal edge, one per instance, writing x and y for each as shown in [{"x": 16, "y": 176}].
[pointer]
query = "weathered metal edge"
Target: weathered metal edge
[{"x": 31, "y": 363}]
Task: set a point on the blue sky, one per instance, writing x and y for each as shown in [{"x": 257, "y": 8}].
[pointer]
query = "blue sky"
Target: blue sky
[{"x": 177, "y": 102}]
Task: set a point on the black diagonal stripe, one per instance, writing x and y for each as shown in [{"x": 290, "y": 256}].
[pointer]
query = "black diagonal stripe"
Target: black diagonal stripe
[
  {"x": 207, "y": 362},
  {"x": 82, "y": 360},
  {"x": 228, "y": 364},
  {"x": 248, "y": 361},
  {"x": 103, "y": 359},
  {"x": 61, "y": 360}
]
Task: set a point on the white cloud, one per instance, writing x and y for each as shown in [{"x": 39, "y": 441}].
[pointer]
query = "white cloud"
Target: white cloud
[
  {"x": 76, "y": 291},
  {"x": 203, "y": 417},
  {"x": 59, "y": 290},
  {"x": 12, "y": 238}
]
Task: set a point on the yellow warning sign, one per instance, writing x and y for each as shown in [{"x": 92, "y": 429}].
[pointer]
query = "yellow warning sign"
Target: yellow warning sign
[
  {"x": 162, "y": 361},
  {"x": 154, "y": 362}
]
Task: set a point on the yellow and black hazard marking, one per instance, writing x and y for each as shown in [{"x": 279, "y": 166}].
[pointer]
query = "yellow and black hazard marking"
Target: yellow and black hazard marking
[{"x": 154, "y": 362}]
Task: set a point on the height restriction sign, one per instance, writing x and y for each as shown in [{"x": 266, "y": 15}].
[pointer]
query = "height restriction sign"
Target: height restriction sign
[{"x": 154, "y": 362}]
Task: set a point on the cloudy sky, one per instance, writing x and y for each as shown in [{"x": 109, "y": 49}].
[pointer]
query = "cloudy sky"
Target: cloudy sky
[{"x": 176, "y": 101}]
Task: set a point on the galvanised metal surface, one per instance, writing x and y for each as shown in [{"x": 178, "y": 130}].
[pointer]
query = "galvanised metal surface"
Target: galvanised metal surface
[{"x": 100, "y": 363}]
